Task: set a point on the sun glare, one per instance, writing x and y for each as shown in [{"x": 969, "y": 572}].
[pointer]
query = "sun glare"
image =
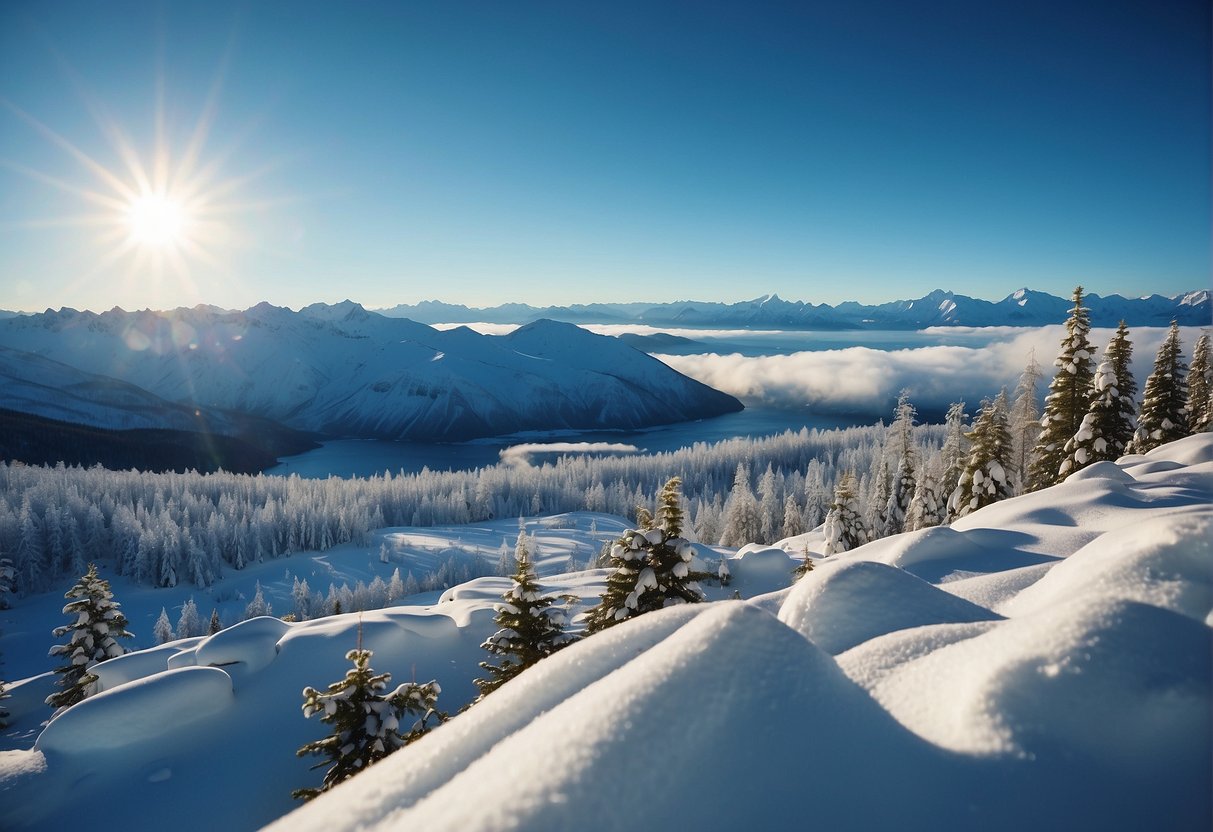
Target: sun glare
[{"x": 156, "y": 221}]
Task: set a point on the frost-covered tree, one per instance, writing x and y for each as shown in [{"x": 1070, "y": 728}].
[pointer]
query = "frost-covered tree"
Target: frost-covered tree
[
  {"x": 190, "y": 622},
  {"x": 769, "y": 507},
  {"x": 258, "y": 606},
  {"x": 793, "y": 518},
  {"x": 368, "y": 724},
  {"x": 1164, "y": 405},
  {"x": 985, "y": 479},
  {"x": 742, "y": 518},
  {"x": 928, "y": 506},
  {"x": 214, "y": 626},
  {"x": 955, "y": 448},
  {"x": 96, "y": 625},
  {"x": 1200, "y": 386},
  {"x": 162, "y": 630},
  {"x": 8, "y": 575},
  {"x": 652, "y": 566},
  {"x": 1069, "y": 395},
  {"x": 530, "y": 625},
  {"x": 903, "y": 459},
  {"x": 1024, "y": 422},
  {"x": 1107, "y": 428},
  {"x": 845, "y": 528}
]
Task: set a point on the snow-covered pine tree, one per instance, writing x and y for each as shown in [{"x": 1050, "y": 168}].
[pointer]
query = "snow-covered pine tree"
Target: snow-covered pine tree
[
  {"x": 742, "y": 519},
  {"x": 928, "y": 507},
  {"x": 93, "y": 637},
  {"x": 1066, "y": 404},
  {"x": 1164, "y": 405},
  {"x": 903, "y": 460},
  {"x": 214, "y": 626},
  {"x": 804, "y": 567},
  {"x": 955, "y": 448},
  {"x": 1200, "y": 386},
  {"x": 770, "y": 509},
  {"x": 1108, "y": 426},
  {"x": 845, "y": 528},
  {"x": 793, "y": 517},
  {"x": 258, "y": 606},
  {"x": 366, "y": 722},
  {"x": 1024, "y": 422},
  {"x": 723, "y": 573},
  {"x": 985, "y": 479},
  {"x": 162, "y": 630},
  {"x": 190, "y": 622},
  {"x": 652, "y": 566},
  {"x": 8, "y": 575},
  {"x": 530, "y": 625}
]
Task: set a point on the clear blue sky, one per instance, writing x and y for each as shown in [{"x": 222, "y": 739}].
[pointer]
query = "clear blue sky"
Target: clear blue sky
[{"x": 578, "y": 152}]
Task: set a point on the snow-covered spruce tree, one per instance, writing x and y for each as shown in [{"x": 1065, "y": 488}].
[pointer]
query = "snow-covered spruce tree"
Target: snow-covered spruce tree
[
  {"x": 1024, "y": 422},
  {"x": 955, "y": 448},
  {"x": 8, "y": 575},
  {"x": 258, "y": 606},
  {"x": 214, "y": 626},
  {"x": 1200, "y": 386},
  {"x": 985, "y": 479},
  {"x": 1066, "y": 404},
  {"x": 162, "y": 630},
  {"x": 929, "y": 506},
  {"x": 1164, "y": 405},
  {"x": 742, "y": 518},
  {"x": 190, "y": 622},
  {"x": 1108, "y": 426},
  {"x": 366, "y": 722},
  {"x": 530, "y": 625},
  {"x": 903, "y": 459},
  {"x": 93, "y": 637},
  {"x": 652, "y": 566},
  {"x": 845, "y": 528}
]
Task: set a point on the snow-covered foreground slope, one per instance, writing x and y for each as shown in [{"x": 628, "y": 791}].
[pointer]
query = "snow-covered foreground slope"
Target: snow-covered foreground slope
[
  {"x": 1045, "y": 662},
  {"x": 341, "y": 370}
]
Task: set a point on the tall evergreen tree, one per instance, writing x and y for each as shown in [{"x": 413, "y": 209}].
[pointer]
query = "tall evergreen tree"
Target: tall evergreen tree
[
  {"x": 1108, "y": 426},
  {"x": 190, "y": 622},
  {"x": 8, "y": 575},
  {"x": 929, "y": 506},
  {"x": 845, "y": 527},
  {"x": 742, "y": 518},
  {"x": 1200, "y": 386},
  {"x": 985, "y": 479},
  {"x": 955, "y": 448},
  {"x": 214, "y": 626},
  {"x": 904, "y": 459},
  {"x": 367, "y": 723},
  {"x": 96, "y": 626},
  {"x": 1024, "y": 422},
  {"x": 258, "y": 606},
  {"x": 1069, "y": 395},
  {"x": 1164, "y": 406},
  {"x": 652, "y": 566},
  {"x": 530, "y": 625},
  {"x": 162, "y": 630}
]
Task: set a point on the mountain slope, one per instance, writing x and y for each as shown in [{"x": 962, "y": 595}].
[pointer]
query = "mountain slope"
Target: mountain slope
[
  {"x": 938, "y": 308},
  {"x": 341, "y": 370}
]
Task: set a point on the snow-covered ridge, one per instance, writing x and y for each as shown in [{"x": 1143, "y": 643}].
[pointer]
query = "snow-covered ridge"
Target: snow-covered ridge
[
  {"x": 1024, "y": 307},
  {"x": 1045, "y": 662},
  {"x": 342, "y": 370}
]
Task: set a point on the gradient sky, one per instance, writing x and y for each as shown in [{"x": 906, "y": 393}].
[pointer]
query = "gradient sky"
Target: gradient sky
[{"x": 575, "y": 152}]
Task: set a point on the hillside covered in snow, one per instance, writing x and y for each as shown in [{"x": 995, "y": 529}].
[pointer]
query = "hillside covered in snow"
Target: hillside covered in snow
[
  {"x": 1044, "y": 662},
  {"x": 342, "y": 371},
  {"x": 1023, "y": 307}
]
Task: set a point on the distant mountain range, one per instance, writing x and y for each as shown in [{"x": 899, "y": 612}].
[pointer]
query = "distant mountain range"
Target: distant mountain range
[
  {"x": 338, "y": 371},
  {"x": 1022, "y": 308}
]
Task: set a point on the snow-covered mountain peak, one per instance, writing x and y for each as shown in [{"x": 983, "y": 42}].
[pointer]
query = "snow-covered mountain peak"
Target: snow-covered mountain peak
[{"x": 347, "y": 310}]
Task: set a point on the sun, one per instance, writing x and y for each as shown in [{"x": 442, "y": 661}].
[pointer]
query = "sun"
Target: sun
[{"x": 157, "y": 221}]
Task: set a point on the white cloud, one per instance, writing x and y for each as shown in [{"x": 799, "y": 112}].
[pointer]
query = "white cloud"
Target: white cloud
[
  {"x": 866, "y": 380},
  {"x": 520, "y": 454}
]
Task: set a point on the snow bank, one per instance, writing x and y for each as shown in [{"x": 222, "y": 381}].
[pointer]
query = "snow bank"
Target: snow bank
[
  {"x": 147, "y": 710},
  {"x": 844, "y": 603}
]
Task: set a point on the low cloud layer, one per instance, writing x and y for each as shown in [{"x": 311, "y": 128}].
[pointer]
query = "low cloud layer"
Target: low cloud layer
[
  {"x": 521, "y": 454},
  {"x": 861, "y": 379}
]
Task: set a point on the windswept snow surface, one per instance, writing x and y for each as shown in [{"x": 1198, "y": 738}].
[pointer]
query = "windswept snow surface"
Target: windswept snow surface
[{"x": 1044, "y": 663}]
